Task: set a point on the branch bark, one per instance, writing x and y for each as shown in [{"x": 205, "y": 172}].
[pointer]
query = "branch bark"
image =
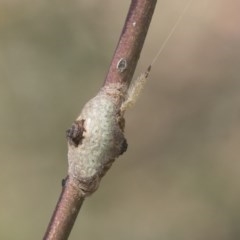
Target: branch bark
[
  {"x": 131, "y": 40},
  {"x": 96, "y": 137}
]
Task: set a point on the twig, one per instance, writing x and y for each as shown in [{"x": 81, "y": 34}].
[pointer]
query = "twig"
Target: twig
[
  {"x": 131, "y": 41},
  {"x": 66, "y": 211},
  {"x": 96, "y": 137}
]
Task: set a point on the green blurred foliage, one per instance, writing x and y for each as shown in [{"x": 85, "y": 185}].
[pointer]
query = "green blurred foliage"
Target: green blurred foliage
[{"x": 180, "y": 176}]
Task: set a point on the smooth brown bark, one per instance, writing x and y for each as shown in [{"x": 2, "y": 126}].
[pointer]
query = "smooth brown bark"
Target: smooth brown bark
[
  {"x": 66, "y": 211},
  {"x": 131, "y": 41}
]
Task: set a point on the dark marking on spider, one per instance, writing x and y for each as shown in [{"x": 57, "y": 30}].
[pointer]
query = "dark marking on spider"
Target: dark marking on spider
[
  {"x": 63, "y": 182},
  {"x": 75, "y": 133},
  {"x": 124, "y": 147},
  {"x": 121, "y": 123}
]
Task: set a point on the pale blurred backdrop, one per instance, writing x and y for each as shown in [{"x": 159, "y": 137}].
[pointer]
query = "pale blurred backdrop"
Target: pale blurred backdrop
[{"x": 179, "y": 179}]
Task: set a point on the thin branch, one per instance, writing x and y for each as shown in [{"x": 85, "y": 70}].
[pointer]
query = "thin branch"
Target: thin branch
[
  {"x": 66, "y": 211},
  {"x": 131, "y": 41},
  {"x": 96, "y": 137}
]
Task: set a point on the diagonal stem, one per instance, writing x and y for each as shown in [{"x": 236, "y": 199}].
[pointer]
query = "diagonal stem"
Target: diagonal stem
[
  {"x": 120, "y": 74},
  {"x": 66, "y": 211},
  {"x": 131, "y": 40}
]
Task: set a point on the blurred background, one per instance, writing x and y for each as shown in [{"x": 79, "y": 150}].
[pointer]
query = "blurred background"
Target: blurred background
[{"x": 179, "y": 178}]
